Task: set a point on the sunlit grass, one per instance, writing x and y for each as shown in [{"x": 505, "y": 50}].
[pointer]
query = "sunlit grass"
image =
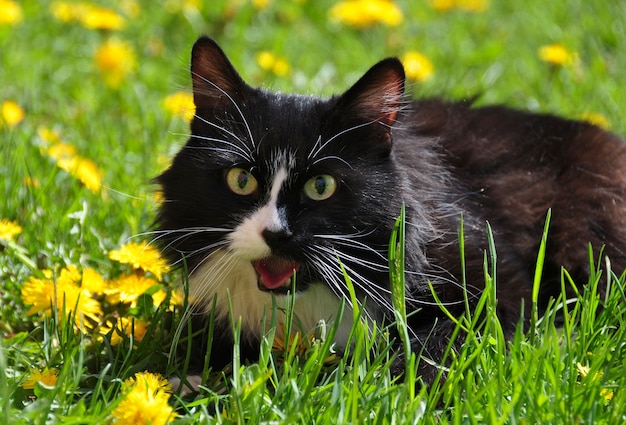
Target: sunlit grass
[{"x": 95, "y": 100}]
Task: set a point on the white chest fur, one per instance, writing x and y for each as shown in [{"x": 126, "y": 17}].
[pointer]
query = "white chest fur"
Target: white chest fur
[{"x": 233, "y": 285}]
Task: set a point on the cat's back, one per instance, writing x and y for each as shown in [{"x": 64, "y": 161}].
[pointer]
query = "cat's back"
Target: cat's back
[
  {"x": 511, "y": 166},
  {"x": 485, "y": 139}
]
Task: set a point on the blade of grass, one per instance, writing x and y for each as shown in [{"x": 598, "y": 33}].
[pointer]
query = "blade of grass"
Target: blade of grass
[{"x": 534, "y": 315}]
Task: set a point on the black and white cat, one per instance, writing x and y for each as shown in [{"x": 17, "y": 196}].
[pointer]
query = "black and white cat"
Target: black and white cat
[{"x": 274, "y": 187}]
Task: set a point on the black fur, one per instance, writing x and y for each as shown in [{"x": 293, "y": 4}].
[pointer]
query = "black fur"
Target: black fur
[{"x": 442, "y": 159}]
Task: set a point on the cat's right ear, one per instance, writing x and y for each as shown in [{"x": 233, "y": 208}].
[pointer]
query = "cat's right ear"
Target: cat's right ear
[
  {"x": 216, "y": 84},
  {"x": 378, "y": 96}
]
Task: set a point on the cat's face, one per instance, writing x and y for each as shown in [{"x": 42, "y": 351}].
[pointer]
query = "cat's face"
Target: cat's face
[{"x": 272, "y": 191}]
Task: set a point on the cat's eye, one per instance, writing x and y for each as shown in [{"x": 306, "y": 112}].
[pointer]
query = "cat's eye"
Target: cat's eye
[
  {"x": 320, "y": 187},
  {"x": 241, "y": 181}
]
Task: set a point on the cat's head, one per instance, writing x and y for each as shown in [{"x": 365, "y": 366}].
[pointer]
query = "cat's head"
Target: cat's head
[{"x": 271, "y": 184}]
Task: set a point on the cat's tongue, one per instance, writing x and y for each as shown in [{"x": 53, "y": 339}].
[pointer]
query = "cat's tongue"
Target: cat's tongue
[{"x": 275, "y": 271}]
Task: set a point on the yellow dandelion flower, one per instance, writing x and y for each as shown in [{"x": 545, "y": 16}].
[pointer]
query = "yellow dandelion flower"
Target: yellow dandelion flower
[
  {"x": 417, "y": 66},
  {"x": 9, "y": 230},
  {"x": 127, "y": 289},
  {"x": 12, "y": 113},
  {"x": 41, "y": 294},
  {"x": 596, "y": 118},
  {"x": 265, "y": 59},
  {"x": 185, "y": 6},
  {"x": 151, "y": 382},
  {"x": 61, "y": 151},
  {"x": 178, "y": 298},
  {"x": 125, "y": 326},
  {"x": 158, "y": 297},
  {"x": 164, "y": 161},
  {"x": 67, "y": 159},
  {"x": 261, "y": 4},
  {"x": 93, "y": 281},
  {"x": 130, "y": 8},
  {"x": 69, "y": 275},
  {"x": 157, "y": 197},
  {"x": 10, "y": 12},
  {"x": 607, "y": 394},
  {"x": 48, "y": 136},
  {"x": 88, "y": 15},
  {"x": 365, "y": 13},
  {"x": 192, "y": 6},
  {"x": 46, "y": 377},
  {"x": 583, "y": 371},
  {"x": 180, "y": 104},
  {"x": 67, "y": 12},
  {"x": 84, "y": 170},
  {"x": 99, "y": 18},
  {"x": 63, "y": 11},
  {"x": 556, "y": 54},
  {"x": 115, "y": 59},
  {"x": 443, "y": 5},
  {"x": 270, "y": 62},
  {"x": 281, "y": 67},
  {"x": 473, "y": 5},
  {"x": 468, "y": 5},
  {"x": 145, "y": 401},
  {"x": 86, "y": 306},
  {"x": 89, "y": 174},
  {"x": 141, "y": 256}
]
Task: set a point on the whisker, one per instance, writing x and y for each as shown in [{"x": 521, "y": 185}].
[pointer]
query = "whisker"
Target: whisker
[
  {"x": 185, "y": 234},
  {"x": 315, "y": 152},
  {"x": 356, "y": 260},
  {"x": 367, "y": 286},
  {"x": 328, "y": 158},
  {"x": 245, "y": 122},
  {"x": 348, "y": 241},
  {"x": 165, "y": 232},
  {"x": 316, "y": 147},
  {"x": 219, "y": 127},
  {"x": 357, "y": 279},
  {"x": 238, "y": 149},
  {"x": 190, "y": 254},
  {"x": 323, "y": 267}
]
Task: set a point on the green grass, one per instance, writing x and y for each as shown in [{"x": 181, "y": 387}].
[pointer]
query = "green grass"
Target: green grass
[{"x": 47, "y": 67}]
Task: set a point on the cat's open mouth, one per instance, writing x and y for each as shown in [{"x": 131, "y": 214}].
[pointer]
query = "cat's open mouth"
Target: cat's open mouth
[{"x": 275, "y": 272}]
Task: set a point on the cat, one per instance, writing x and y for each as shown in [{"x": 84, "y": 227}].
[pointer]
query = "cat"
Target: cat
[{"x": 277, "y": 192}]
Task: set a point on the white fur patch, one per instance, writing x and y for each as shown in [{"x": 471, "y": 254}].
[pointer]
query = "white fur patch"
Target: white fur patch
[
  {"x": 237, "y": 287},
  {"x": 246, "y": 241}
]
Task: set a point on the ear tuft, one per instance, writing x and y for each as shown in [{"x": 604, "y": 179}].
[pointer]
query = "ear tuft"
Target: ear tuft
[
  {"x": 216, "y": 84},
  {"x": 379, "y": 94}
]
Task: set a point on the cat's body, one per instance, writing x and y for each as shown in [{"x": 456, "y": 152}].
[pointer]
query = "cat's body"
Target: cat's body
[{"x": 271, "y": 183}]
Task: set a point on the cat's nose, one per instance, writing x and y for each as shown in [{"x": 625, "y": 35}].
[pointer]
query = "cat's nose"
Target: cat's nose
[{"x": 276, "y": 238}]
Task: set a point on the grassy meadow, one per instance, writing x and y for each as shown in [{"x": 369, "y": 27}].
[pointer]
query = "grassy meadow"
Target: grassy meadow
[{"x": 95, "y": 100}]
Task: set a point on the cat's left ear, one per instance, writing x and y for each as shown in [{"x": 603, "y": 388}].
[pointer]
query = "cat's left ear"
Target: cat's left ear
[
  {"x": 378, "y": 95},
  {"x": 216, "y": 83}
]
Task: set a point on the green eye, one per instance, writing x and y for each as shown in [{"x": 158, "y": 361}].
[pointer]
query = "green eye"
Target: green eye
[
  {"x": 241, "y": 182},
  {"x": 320, "y": 187}
]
